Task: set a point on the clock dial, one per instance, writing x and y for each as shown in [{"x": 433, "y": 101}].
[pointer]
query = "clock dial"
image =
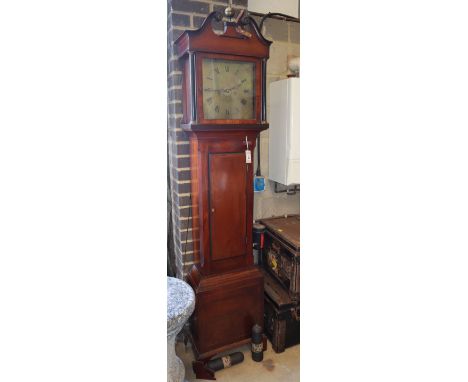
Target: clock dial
[{"x": 228, "y": 89}]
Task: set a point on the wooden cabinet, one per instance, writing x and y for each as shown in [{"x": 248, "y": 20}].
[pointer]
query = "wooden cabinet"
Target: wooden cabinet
[{"x": 223, "y": 82}]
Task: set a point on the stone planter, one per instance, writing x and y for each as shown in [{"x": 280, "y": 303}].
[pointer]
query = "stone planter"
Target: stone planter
[{"x": 180, "y": 305}]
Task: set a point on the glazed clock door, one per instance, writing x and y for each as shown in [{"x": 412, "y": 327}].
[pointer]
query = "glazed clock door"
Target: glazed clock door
[
  {"x": 229, "y": 89},
  {"x": 227, "y": 206}
]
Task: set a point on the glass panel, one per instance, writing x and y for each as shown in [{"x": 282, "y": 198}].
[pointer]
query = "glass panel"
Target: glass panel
[{"x": 228, "y": 89}]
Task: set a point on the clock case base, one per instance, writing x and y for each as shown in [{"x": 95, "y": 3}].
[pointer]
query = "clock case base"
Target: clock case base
[{"x": 227, "y": 306}]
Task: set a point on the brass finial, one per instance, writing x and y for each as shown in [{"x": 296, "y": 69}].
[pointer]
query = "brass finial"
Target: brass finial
[{"x": 229, "y": 12}]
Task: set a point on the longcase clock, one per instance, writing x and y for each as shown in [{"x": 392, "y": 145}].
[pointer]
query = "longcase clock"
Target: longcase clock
[{"x": 224, "y": 78}]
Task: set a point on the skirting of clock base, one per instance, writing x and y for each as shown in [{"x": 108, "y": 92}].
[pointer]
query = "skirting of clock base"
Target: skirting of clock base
[{"x": 227, "y": 306}]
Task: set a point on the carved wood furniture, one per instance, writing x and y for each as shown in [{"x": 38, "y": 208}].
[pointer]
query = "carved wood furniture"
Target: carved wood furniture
[
  {"x": 282, "y": 252},
  {"x": 281, "y": 263}
]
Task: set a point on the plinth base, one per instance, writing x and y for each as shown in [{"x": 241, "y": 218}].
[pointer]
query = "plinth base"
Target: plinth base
[{"x": 227, "y": 307}]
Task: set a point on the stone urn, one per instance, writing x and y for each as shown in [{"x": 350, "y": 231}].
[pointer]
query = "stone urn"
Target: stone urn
[{"x": 180, "y": 306}]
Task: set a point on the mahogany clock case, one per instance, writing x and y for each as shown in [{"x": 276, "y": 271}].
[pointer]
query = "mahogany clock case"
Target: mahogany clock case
[{"x": 227, "y": 285}]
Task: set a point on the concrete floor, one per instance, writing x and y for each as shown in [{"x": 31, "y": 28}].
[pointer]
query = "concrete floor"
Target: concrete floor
[{"x": 274, "y": 367}]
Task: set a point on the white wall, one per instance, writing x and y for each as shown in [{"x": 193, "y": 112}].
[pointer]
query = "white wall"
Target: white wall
[{"x": 285, "y": 37}]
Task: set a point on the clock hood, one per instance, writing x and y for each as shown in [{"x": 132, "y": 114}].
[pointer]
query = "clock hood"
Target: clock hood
[{"x": 205, "y": 39}]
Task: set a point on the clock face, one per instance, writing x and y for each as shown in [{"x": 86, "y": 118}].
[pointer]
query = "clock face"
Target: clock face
[{"x": 228, "y": 89}]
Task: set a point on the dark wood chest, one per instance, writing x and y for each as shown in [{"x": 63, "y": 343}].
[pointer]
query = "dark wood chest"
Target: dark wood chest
[
  {"x": 281, "y": 315},
  {"x": 281, "y": 254}
]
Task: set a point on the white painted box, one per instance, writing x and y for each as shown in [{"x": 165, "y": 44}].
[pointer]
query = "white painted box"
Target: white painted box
[{"x": 283, "y": 150}]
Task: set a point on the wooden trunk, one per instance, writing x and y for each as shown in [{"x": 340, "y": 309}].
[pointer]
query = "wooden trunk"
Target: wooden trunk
[
  {"x": 281, "y": 254},
  {"x": 281, "y": 318}
]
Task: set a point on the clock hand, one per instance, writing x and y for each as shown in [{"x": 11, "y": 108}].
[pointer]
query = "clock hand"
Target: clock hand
[
  {"x": 227, "y": 90},
  {"x": 234, "y": 87},
  {"x": 212, "y": 90}
]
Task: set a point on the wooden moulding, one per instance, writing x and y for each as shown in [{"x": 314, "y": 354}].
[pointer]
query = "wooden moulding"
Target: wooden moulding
[
  {"x": 231, "y": 42},
  {"x": 225, "y": 128}
]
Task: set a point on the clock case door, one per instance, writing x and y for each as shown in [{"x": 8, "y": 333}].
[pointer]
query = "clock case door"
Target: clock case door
[{"x": 222, "y": 200}]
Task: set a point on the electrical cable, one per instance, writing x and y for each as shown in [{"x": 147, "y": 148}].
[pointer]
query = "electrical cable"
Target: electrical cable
[
  {"x": 270, "y": 14},
  {"x": 187, "y": 228},
  {"x": 258, "y": 172}
]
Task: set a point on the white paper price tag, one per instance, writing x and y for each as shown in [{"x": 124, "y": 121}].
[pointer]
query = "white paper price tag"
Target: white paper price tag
[{"x": 248, "y": 156}]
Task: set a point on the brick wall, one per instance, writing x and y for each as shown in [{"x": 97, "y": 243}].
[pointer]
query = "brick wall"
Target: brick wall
[{"x": 182, "y": 15}]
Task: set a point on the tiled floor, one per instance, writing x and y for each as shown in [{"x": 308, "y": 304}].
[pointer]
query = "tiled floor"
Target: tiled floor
[{"x": 282, "y": 367}]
